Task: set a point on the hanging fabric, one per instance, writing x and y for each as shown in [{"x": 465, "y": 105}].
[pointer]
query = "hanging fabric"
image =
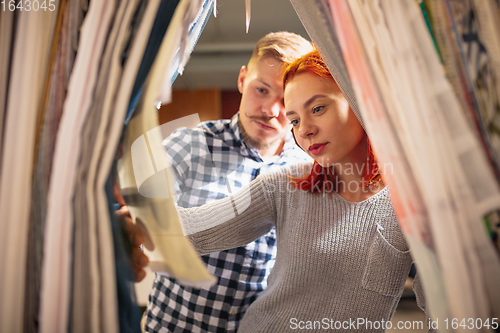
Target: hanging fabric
[
  {"x": 188, "y": 42},
  {"x": 55, "y": 290},
  {"x": 416, "y": 112},
  {"x": 160, "y": 25},
  {"x": 46, "y": 130},
  {"x": 318, "y": 22},
  {"x": 64, "y": 257},
  {"x": 167, "y": 247},
  {"x": 486, "y": 20},
  {"x": 110, "y": 130},
  {"x": 448, "y": 40},
  {"x": 30, "y": 57},
  {"x": 93, "y": 253},
  {"x": 6, "y": 37}
]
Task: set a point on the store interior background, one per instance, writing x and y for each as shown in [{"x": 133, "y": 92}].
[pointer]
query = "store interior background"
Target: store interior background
[{"x": 208, "y": 87}]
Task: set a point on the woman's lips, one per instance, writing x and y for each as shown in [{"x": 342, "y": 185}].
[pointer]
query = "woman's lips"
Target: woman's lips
[{"x": 316, "y": 148}]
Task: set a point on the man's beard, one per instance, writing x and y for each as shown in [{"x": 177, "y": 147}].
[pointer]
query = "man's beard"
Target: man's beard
[{"x": 253, "y": 143}]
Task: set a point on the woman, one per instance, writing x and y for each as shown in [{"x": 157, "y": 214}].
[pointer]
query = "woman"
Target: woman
[{"x": 342, "y": 260}]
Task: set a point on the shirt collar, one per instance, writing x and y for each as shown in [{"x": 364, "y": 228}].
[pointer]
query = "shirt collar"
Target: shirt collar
[{"x": 233, "y": 125}]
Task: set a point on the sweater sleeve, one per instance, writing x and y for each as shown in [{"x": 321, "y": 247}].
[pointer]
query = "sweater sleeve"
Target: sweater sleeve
[
  {"x": 231, "y": 222},
  {"x": 420, "y": 296}
]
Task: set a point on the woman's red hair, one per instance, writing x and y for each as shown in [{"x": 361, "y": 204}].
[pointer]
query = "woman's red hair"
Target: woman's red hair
[{"x": 323, "y": 179}]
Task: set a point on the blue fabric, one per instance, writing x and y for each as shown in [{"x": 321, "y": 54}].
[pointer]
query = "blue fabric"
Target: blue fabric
[
  {"x": 160, "y": 25},
  {"x": 165, "y": 13},
  {"x": 206, "y": 9}
]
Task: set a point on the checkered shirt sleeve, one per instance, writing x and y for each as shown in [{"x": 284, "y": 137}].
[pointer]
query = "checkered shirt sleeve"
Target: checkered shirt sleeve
[{"x": 211, "y": 162}]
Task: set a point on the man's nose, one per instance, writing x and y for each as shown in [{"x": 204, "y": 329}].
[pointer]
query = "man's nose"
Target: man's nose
[{"x": 274, "y": 108}]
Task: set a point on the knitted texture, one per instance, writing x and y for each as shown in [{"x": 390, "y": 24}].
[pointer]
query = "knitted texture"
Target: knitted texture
[{"x": 336, "y": 260}]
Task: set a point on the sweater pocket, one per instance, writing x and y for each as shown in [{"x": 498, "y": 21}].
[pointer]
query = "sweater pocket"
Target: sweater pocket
[{"x": 387, "y": 268}]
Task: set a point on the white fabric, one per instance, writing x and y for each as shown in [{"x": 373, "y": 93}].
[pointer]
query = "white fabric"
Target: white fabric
[{"x": 30, "y": 58}]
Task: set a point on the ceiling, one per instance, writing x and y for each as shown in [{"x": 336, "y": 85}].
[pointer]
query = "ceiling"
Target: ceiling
[{"x": 224, "y": 46}]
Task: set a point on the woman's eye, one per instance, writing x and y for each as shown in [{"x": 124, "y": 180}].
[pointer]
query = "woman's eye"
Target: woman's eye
[
  {"x": 318, "y": 109},
  {"x": 262, "y": 90}
]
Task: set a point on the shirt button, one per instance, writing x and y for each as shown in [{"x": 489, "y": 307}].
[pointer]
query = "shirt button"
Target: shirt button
[
  {"x": 233, "y": 312},
  {"x": 243, "y": 276}
]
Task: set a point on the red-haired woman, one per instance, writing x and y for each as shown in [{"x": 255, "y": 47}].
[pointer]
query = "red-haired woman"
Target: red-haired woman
[{"x": 342, "y": 260}]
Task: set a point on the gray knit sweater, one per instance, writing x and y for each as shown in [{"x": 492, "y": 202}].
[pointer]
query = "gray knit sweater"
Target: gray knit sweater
[{"x": 340, "y": 265}]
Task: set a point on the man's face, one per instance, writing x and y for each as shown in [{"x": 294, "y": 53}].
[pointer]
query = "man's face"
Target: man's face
[{"x": 262, "y": 112}]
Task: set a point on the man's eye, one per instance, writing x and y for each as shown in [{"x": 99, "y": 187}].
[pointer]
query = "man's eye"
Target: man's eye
[{"x": 294, "y": 122}]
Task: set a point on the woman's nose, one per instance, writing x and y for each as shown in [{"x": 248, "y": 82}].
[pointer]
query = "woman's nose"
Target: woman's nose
[{"x": 306, "y": 129}]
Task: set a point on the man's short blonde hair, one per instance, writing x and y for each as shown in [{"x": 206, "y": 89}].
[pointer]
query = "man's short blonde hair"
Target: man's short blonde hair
[{"x": 283, "y": 46}]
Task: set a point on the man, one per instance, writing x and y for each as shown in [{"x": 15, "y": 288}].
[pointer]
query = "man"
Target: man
[{"x": 214, "y": 160}]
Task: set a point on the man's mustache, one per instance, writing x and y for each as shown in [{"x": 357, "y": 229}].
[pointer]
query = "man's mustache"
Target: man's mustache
[{"x": 263, "y": 119}]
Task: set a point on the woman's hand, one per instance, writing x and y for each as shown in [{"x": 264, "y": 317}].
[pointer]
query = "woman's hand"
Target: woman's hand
[{"x": 133, "y": 237}]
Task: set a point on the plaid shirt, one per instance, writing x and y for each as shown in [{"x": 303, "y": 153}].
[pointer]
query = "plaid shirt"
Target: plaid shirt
[{"x": 211, "y": 162}]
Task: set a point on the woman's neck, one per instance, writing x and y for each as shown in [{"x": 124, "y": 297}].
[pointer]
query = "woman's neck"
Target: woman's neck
[
  {"x": 357, "y": 190},
  {"x": 350, "y": 173}
]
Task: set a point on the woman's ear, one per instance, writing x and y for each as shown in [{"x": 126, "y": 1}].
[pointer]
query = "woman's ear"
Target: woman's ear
[{"x": 241, "y": 78}]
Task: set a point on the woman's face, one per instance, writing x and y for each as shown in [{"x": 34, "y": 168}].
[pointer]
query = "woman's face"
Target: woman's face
[{"x": 323, "y": 123}]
